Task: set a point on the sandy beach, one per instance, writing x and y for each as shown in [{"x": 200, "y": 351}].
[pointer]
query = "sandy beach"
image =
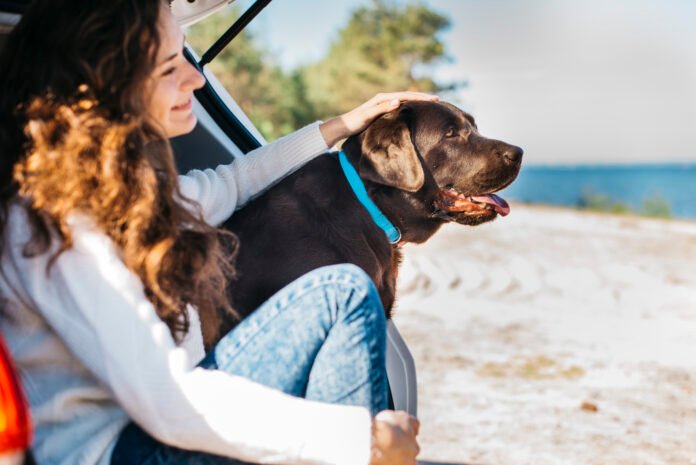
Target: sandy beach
[{"x": 554, "y": 336}]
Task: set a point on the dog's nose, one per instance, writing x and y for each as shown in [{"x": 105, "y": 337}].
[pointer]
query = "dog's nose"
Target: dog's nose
[{"x": 513, "y": 155}]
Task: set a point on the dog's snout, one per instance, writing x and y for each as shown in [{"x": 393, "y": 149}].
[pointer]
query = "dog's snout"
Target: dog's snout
[{"x": 512, "y": 154}]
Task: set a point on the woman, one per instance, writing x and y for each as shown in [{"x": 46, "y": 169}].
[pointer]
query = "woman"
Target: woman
[{"x": 110, "y": 266}]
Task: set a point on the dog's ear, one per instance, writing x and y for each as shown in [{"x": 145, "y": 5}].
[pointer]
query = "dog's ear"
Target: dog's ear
[{"x": 389, "y": 156}]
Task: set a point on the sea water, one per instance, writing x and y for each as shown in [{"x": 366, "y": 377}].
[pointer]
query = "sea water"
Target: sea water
[{"x": 672, "y": 185}]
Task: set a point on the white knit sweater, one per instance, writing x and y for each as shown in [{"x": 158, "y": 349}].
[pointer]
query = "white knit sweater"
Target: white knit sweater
[{"x": 92, "y": 352}]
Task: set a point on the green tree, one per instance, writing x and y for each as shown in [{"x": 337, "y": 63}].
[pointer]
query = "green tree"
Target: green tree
[{"x": 379, "y": 50}]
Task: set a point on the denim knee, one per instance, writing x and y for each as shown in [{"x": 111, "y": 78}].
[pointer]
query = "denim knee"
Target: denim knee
[
  {"x": 351, "y": 282},
  {"x": 348, "y": 272}
]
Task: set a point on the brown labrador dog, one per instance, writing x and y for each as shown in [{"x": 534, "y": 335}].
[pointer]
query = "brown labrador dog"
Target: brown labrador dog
[{"x": 424, "y": 165}]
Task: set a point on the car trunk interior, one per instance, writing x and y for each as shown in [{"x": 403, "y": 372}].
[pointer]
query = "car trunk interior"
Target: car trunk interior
[{"x": 7, "y": 21}]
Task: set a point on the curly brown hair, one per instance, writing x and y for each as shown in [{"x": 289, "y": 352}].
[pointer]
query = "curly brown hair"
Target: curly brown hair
[{"x": 75, "y": 138}]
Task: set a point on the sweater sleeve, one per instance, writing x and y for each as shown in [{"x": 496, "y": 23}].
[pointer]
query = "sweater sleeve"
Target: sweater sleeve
[
  {"x": 222, "y": 190},
  {"x": 98, "y": 307}
]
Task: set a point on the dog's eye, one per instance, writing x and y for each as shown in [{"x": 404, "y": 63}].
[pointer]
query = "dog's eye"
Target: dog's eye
[{"x": 451, "y": 132}]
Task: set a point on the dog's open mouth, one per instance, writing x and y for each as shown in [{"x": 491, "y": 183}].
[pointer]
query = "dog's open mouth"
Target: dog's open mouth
[{"x": 450, "y": 201}]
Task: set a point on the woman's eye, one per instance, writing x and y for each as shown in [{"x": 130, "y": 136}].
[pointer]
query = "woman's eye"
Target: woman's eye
[{"x": 169, "y": 71}]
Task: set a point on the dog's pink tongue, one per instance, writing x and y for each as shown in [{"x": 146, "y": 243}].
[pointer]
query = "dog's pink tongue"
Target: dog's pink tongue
[{"x": 499, "y": 203}]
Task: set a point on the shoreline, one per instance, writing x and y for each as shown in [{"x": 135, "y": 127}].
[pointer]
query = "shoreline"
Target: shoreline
[{"x": 630, "y": 214}]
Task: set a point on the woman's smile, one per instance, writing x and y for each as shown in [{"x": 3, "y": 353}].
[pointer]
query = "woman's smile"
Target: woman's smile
[
  {"x": 184, "y": 106},
  {"x": 173, "y": 80}
]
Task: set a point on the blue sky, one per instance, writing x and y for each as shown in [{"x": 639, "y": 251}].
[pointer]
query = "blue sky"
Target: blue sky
[{"x": 570, "y": 81}]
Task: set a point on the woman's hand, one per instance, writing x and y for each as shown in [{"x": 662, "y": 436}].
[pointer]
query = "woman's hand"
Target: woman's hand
[
  {"x": 357, "y": 119},
  {"x": 394, "y": 439}
]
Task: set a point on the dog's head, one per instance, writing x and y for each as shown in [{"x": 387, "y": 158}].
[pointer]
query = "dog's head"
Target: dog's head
[{"x": 434, "y": 151}]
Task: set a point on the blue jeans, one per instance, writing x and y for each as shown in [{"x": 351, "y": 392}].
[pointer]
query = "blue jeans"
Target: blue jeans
[{"x": 322, "y": 337}]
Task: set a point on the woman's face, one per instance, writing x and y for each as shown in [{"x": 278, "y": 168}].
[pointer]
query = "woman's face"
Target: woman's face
[{"x": 173, "y": 80}]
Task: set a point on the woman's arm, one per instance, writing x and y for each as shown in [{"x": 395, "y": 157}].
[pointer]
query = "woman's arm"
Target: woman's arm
[
  {"x": 222, "y": 190},
  {"x": 97, "y": 307}
]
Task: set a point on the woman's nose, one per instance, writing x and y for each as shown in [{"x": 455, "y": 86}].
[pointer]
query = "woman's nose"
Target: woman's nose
[{"x": 194, "y": 79}]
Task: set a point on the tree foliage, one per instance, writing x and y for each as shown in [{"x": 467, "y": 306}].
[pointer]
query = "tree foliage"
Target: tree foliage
[
  {"x": 382, "y": 48},
  {"x": 377, "y": 51}
]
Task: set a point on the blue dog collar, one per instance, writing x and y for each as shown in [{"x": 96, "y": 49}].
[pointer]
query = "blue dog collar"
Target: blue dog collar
[{"x": 360, "y": 192}]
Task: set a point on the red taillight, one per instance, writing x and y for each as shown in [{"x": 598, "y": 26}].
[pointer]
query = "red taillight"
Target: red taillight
[{"x": 15, "y": 425}]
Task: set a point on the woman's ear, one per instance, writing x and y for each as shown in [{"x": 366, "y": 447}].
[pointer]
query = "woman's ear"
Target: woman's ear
[{"x": 388, "y": 154}]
